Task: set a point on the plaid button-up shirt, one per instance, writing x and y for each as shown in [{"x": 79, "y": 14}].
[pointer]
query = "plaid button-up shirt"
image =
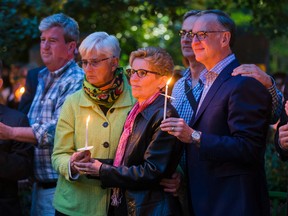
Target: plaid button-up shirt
[
  {"x": 180, "y": 101},
  {"x": 52, "y": 90}
]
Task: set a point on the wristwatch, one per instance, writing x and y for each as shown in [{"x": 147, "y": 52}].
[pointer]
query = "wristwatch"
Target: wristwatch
[{"x": 196, "y": 135}]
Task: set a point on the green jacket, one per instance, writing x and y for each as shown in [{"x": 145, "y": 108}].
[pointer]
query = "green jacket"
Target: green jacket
[{"x": 85, "y": 196}]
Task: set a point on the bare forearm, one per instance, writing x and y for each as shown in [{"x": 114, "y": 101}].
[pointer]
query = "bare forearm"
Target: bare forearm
[{"x": 23, "y": 134}]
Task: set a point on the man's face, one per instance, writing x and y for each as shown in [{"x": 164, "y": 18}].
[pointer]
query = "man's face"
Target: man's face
[
  {"x": 186, "y": 40},
  {"x": 209, "y": 49},
  {"x": 55, "y": 52}
]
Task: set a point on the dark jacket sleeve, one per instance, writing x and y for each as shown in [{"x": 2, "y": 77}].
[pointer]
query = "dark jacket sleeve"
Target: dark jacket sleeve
[{"x": 16, "y": 158}]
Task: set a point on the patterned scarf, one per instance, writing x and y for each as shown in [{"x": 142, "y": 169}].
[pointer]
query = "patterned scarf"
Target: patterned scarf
[
  {"x": 105, "y": 97},
  {"x": 118, "y": 161}
]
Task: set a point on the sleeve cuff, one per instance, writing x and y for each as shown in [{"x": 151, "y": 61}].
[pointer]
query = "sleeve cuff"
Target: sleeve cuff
[
  {"x": 272, "y": 88},
  {"x": 72, "y": 177},
  {"x": 282, "y": 147}
]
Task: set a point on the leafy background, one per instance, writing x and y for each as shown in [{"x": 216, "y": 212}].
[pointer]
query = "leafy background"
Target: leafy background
[{"x": 138, "y": 23}]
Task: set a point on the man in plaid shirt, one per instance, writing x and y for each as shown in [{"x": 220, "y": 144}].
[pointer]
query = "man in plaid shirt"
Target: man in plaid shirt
[{"x": 60, "y": 78}]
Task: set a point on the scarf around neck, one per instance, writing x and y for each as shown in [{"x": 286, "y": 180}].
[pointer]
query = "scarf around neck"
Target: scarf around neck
[
  {"x": 109, "y": 96},
  {"x": 120, "y": 152}
]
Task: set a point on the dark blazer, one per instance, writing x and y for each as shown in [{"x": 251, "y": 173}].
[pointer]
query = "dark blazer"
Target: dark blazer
[
  {"x": 30, "y": 90},
  {"x": 16, "y": 160},
  {"x": 226, "y": 174},
  {"x": 150, "y": 155}
]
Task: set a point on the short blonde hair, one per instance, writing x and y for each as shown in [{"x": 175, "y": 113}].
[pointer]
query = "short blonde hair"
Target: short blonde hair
[{"x": 158, "y": 58}]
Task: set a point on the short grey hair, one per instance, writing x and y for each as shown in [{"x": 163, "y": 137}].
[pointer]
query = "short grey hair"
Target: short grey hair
[
  {"x": 190, "y": 13},
  {"x": 224, "y": 20},
  {"x": 68, "y": 24},
  {"x": 100, "y": 43}
]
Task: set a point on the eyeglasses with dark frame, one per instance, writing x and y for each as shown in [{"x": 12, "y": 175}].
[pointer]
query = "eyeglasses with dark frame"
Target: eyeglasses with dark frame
[
  {"x": 92, "y": 62},
  {"x": 200, "y": 35},
  {"x": 140, "y": 72}
]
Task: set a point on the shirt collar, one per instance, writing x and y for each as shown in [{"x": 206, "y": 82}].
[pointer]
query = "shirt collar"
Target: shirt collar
[
  {"x": 58, "y": 72},
  {"x": 223, "y": 63}
]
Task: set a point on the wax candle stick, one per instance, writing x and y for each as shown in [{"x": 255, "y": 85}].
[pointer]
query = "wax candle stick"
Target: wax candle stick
[
  {"x": 86, "y": 139},
  {"x": 166, "y": 98}
]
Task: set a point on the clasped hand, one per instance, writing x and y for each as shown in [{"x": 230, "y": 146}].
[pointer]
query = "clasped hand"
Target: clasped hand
[{"x": 82, "y": 163}]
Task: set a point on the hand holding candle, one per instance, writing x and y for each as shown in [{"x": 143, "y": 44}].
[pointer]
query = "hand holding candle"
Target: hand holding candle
[{"x": 166, "y": 97}]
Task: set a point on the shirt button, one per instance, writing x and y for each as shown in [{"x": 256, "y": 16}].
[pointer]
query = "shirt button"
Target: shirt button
[
  {"x": 105, "y": 124},
  {"x": 112, "y": 110},
  {"x": 106, "y": 144}
]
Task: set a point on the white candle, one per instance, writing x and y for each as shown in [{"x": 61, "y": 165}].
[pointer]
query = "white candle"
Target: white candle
[
  {"x": 86, "y": 140},
  {"x": 166, "y": 97}
]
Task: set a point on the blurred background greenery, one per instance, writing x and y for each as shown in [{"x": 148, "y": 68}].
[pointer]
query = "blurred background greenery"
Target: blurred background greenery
[
  {"x": 262, "y": 29},
  {"x": 138, "y": 23}
]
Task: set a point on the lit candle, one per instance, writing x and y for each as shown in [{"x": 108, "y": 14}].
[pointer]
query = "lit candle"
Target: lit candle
[
  {"x": 22, "y": 90},
  {"x": 86, "y": 140},
  {"x": 18, "y": 93},
  {"x": 166, "y": 97}
]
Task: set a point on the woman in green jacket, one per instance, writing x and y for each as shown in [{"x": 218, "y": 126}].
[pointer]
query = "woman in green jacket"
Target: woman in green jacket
[{"x": 105, "y": 97}]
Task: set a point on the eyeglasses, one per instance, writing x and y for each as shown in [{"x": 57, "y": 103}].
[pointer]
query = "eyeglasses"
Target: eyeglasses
[
  {"x": 182, "y": 33},
  {"x": 140, "y": 72},
  {"x": 200, "y": 35},
  {"x": 92, "y": 62}
]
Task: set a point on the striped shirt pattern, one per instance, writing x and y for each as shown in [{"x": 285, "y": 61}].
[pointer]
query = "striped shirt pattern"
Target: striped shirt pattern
[
  {"x": 52, "y": 90},
  {"x": 181, "y": 102}
]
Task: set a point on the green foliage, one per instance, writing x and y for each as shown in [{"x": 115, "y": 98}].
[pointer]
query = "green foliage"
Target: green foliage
[
  {"x": 17, "y": 30},
  {"x": 136, "y": 23},
  {"x": 279, "y": 54}
]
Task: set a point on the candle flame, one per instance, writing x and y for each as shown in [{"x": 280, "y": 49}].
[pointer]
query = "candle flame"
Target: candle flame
[
  {"x": 18, "y": 93},
  {"x": 169, "y": 81},
  {"x": 22, "y": 90}
]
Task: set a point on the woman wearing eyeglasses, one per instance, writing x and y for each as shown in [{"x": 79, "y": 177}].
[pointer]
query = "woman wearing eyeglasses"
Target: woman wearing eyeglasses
[
  {"x": 106, "y": 97},
  {"x": 145, "y": 154}
]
